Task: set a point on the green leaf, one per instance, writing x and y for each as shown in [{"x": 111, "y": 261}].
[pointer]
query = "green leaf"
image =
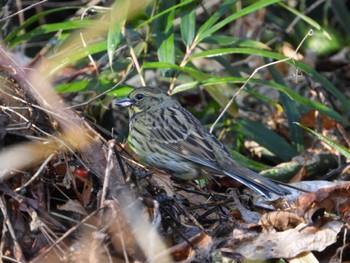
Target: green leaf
[
  {"x": 165, "y": 34},
  {"x": 288, "y": 91},
  {"x": 72, "y": 87},
  {"x": 188, "y": 24},
  {"x": 342, "y": 14},
  {"x": 213, "y": 18},
  {"x": 218, "y": 93},
  {"x": 190, "y": 71},
  {"x": 49, "y": 28},
  {"x": 208, "y": 28},
  {"x": 174, "y": 7},
  {"x": 224, "y": 40},
  {"x": 340, "y": 148},
  {"x": 117, "y": 20},
  {"x": 292, "y": 112},
  {"x": 62, "y": 60},
  {"x": 307, "y": 19},
  {"x": 9, "y": 38},
  {"x": 120, "y": 92},
  {"x": 246, "y": 162},
  {"x": 266, "y": 138}
]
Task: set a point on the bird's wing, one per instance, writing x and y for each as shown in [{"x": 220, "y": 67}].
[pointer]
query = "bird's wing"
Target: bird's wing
[{"x": 182, "y": 134}]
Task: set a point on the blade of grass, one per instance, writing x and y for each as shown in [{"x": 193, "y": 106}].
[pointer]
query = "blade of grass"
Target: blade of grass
[
  {"x": 208, "y": 28},
  {"x": 340, "y": 148},
  {"x": 307, "y": 19},
  {"x": 266, "y": 138}
]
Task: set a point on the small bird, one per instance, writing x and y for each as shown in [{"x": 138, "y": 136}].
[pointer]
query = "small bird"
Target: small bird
[{"x": 167, "y": 136}]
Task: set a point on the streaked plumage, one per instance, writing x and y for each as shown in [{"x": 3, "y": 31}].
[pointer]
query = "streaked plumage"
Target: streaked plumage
[{"x": 165, "y": 135}]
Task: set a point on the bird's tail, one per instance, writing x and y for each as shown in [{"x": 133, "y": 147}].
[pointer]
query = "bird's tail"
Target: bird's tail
[{"x": 255, "y": 181}]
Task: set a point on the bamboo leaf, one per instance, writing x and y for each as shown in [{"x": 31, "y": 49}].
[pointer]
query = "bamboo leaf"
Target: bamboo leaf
[
  {"x": 340, "y": 148},
  {"x": 288, "y": 91},
  {"x": 266, "y": 138},
  {"x": 188, "y": 24},
  {"x": 73, "y": 86},
  {"x": 117, "y": 20},
  {"x": 164, "y": 12},
  {"x": 12, "y": 35},
  {"x": 208, "y": 28},
  {"x": 165, "y": 34},
  {"x": 292, "y": 113},
  {"x": 62, "y": 60},
  {"x": 53, "y": 27},
  {"x": 307, "y": 19},
  {"x": 212, "y": 19},
  {"x": 190, "y": 71}
]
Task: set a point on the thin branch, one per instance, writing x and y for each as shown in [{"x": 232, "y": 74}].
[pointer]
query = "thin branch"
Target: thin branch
[
  {"x": 23, "y": 10},
  {"x": 42, "y": 167}
]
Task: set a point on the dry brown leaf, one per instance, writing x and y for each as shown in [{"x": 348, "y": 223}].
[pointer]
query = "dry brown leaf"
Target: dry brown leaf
[
  {"x": 290, "y": 243},
  {"x": 201, "y": 244},
  {"x": 309, "y": 120},
  {"x": 281, "y": 220},
  {"x": 334, "y": 199}
]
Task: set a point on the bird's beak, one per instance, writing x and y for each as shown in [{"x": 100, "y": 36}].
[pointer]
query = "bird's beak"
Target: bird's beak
[{"x": 125, "y": 102}]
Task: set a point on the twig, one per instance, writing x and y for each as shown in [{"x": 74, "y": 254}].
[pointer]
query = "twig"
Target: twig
[
  {"x": 42, "y": 166},
  {"x": 344, "y": 133},
  {"x": 17, "y": 250},
  {"x": 252, "y": 75},
  {"x": 67, "y": 233},
  {"x": 71, "y": 220},
  {"x": 122, "y": 242},
  {"x": 109, "y": 167},
  {"x": 82, "y": 36},
  {"x": 344, "y": 245},
  {"x": 10, "y": 259},
  {"x": 23, "y": 10},
  {"x": 306, "y": 11},
  {"x": 134, "y": 58},
  {"x": 103, "y": 93}
]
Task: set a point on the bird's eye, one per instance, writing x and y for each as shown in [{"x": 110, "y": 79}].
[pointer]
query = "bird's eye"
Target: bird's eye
[{"x": 139, "y": 96}]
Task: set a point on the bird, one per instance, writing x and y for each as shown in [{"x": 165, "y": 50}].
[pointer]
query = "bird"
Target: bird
[{"x": 167, "y": 136}]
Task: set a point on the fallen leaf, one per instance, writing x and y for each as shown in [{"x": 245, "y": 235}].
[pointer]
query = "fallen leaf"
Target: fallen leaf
[
  {"x": 290, "y": 243},
  {"x": 281, "y": 220}
]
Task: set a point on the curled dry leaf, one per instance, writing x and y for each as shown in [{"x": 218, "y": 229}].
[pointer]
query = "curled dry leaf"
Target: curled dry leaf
[
  {"x": 290, "y": 243},
  {"x": 281, "y": 220},
  {"x": 200, "y": 244},
  {"x": 334, "y": 199}
]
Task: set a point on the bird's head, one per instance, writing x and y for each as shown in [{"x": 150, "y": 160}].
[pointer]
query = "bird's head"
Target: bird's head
[{"x": 146, "y": 98}]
